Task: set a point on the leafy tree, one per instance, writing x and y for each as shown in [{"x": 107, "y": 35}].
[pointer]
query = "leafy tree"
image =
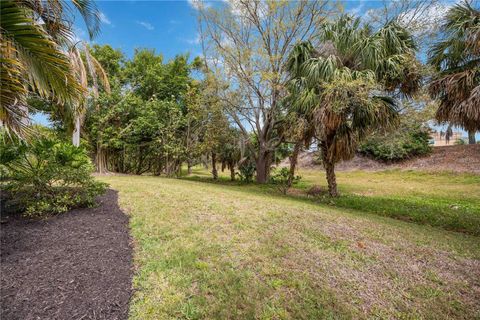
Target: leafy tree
[
  {"x": 229, "y": 150},
  {"x": 150, "y": 78},
  {"x": 112, "y": 62},
  {"x": 456, "y": 58},
  {"x": 148, "y": 123},
  {"x": 343, "y": 84},
  {"x": 248, "y": 42}
]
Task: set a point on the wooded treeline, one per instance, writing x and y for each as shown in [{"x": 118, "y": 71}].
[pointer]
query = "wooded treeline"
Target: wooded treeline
[{"x": 273, "y": 79}]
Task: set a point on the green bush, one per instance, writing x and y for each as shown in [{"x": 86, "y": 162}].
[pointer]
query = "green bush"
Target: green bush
[
  {"x": 247, "y": 170},
  {"x": 280, "y": 179},
  {"x": 404, "y": 143},
  {"x": 47, "y": 176}
]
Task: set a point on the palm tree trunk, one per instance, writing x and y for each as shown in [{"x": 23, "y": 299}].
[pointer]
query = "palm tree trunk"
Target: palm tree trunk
[
  {"x": 329, "y": 166},
  {"x": 293, "y": 163},
  {"x": 214, "y": 166},
  {"x": 76, "y": 131},
  {"x": 331, "y": 178},
  {"x": 471, "y": 137}
]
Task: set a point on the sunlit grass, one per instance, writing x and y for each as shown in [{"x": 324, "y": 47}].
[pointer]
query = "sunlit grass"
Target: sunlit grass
[
  {"x": 222, "y": 250},
  {"x": 446, "y": 200}
]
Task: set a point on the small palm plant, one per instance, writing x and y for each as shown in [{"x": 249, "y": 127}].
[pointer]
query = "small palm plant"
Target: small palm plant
[
  {"x": 456, "y": 59},
  {"x": 348, "y": 82}
]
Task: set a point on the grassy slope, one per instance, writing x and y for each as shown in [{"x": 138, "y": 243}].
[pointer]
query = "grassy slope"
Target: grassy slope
[
  {"x": 447, "y": 200},
  {"x": 221, "y": 251}
]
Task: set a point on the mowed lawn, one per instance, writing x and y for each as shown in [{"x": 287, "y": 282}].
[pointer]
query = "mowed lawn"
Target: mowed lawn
[{"x": 221, "y": 250}]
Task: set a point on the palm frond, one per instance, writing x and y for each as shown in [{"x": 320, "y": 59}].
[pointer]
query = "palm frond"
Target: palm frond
[
  {"x": 90, "y": 14},
  {"x": 48, "y": 67}
]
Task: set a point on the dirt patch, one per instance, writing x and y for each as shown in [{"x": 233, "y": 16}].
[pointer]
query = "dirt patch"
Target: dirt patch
[
  {"x": 76, "y": 265},
  {"x": 461, "y": 158},
  {"x": 464, "y": 158}
]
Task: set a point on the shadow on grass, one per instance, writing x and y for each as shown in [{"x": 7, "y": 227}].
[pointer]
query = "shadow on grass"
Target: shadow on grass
[{"x": 449, "y": 214}]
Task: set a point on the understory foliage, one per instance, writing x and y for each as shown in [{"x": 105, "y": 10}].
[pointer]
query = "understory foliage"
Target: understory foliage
[
  {"x": 47, "y": 176},
  {"x": 282, "y": 180},
  {"x": 247, "y": 171},
  {"x": 406, "y": 141},
  {"x": 400, "y": 144}
]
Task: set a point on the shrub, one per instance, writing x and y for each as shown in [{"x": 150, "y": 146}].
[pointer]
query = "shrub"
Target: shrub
[
  {"x": 247, "y": 170},
  {"x": 459, "y": 142},
  {"x": 280, "y": 179},
  {"x": 47, "y": 177},
  {"x": 404, "y": 143}
]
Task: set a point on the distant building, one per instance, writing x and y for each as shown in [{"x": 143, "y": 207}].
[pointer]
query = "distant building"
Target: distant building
[{"x": 440, "y": 138}]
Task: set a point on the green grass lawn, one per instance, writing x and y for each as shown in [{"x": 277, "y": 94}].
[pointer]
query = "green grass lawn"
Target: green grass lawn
[{"x": 221, "y": 250}]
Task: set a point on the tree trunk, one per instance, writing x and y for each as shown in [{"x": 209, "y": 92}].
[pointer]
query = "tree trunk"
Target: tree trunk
[
  {"x": 178, "y": 169},
  {"x": 263, "y": 166},
  {"x": 205, "y": 162},
  {"x": 331, "y": 178},
  {"x": 329, "y": 166},
  {"x": 214, "y": 166},
  {"x": 471, "y": 137},
  {"x": 101, "y": 160},
  {"x": 76, "y": 131},
  {"x": 232, "y": 172},
  {"x": 189, "y": 167},
  {"x": 293, "y": 163},
  {"x": 138, "y": 169}
]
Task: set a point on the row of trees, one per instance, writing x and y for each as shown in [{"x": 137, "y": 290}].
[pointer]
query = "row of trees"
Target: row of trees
[
  {"x": 341, "y": 78},
  {"x": 273, "y": 76},
  {"x": 154, "y": 116}
]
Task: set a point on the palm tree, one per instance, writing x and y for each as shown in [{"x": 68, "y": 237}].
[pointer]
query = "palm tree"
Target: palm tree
[
  {"x": 85, "y": 67},
  {"x": 456, "y": 58},
  {"x": 33, "y": 36},
  {"x": 347, "y": 84}
]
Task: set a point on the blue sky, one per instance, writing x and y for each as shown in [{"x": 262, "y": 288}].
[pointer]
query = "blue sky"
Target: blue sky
[{"x": 168, "y": 26}]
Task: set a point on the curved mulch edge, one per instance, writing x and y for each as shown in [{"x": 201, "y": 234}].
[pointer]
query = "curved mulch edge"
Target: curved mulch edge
[{"x": 77, "y": 265}]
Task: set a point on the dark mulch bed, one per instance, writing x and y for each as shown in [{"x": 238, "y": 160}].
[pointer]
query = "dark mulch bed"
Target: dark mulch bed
[{"x": 77, "y": 265}]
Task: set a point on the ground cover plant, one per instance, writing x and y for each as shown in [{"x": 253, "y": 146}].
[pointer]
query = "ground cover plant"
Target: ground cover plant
[
  {"x": 46, "y": 176},
  {"x": 232, "y": 250}
]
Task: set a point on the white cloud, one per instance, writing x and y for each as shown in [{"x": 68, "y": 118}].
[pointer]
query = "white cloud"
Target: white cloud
[
  {"x": 239, "y": 8},
  {"x": 198, "y": 4},
  {"x": 146, "y": 25},
  {"x": 427, "y": 20},
  {"x": 104, "y": 18},
  {"x": 196, "y": 40}
]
